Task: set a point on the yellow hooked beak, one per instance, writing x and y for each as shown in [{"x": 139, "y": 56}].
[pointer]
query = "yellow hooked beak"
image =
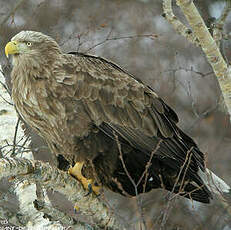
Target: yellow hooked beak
[{"x": 11, "y": 48}]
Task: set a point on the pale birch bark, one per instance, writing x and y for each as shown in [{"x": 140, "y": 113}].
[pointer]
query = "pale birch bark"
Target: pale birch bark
[
  {"x": 177, "y": 24},
  {"x": 209, "y": 47},
  {"x": 52, "y": 178},
  {"x": 33, "y": 219},
  {"x": 33, "y": 216},
  {"x": 56, "y": 215}
]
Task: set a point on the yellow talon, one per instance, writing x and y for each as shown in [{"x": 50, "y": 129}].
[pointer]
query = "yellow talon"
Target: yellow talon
[
  {"x": 76, "y": 208},
  {"x": 88, "y": 184}
]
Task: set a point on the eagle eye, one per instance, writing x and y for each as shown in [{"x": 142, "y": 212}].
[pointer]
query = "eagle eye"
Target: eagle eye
[{"x": 28, "y": 43}]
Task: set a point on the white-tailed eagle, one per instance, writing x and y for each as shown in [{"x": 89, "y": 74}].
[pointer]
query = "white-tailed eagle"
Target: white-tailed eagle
[{"x": 91, "y": 111}]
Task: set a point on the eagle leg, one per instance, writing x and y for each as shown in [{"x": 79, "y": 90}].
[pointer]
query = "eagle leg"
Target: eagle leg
[{"x": 88, "y": 184}]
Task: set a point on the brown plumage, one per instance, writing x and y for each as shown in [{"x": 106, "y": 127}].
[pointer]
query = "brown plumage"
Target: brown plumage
[{"x": 83, "y": 106}]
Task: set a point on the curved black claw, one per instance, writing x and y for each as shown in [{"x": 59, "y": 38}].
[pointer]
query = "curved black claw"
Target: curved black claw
[{"x": 90, "y": 190}]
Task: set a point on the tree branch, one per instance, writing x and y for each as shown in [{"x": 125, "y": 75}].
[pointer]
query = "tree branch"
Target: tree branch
[
  {"x": 54, "y": 214},
  {"x": 12, "y": 12},
  {"x": 178, "y": 25},
  {"x": 52, "y": 178},
  {"x": 210, "y": 48},
  {"x": 213, "y": 54},
  {"x": 219, "y": 24},
  {"x": 29, "y": 216}
]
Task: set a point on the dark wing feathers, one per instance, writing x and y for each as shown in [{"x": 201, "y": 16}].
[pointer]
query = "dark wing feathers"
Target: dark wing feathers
[
  {"x": 116, "y": 102},
  {"x": 111, "y": 95}
]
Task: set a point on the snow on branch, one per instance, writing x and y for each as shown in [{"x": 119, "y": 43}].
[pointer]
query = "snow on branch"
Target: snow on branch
[{"x": 52, "y": 178}]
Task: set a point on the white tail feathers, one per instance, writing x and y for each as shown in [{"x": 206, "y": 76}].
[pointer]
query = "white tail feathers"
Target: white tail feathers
[{"x": 214, "y": 183}]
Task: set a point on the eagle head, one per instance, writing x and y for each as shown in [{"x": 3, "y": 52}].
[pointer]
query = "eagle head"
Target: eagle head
[{"x": 32, "y": 45}]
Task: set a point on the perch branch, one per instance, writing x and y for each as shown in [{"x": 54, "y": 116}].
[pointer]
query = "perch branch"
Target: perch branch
[
  {"x": 55, "y": 215},
  {"x": 52, "y": 178},
  {"x": 29, "y": 216},
  {"x": 9, "y": 218}
]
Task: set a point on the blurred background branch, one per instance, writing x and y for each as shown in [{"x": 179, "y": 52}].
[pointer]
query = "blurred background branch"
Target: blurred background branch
[
  {"x": 208, "y": 45},
  {"x": 218, "y": 25},
  {"x": 12, "y": 12}
]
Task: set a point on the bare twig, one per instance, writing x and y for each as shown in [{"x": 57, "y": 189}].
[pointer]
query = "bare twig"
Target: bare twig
[
  {"x": 183, "y": 169},
  {"x": 200, "y": 74},
  {"x": 108, "y": 38},
  {"x": 138, "y": 198},
  {"x": 123, "y": 163},
  {"x": 15, "y": 136},
  {"x": 6, "y": 100},
  {"x": 5, "y": 87},
  {"x": 148, "y": 165}
]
